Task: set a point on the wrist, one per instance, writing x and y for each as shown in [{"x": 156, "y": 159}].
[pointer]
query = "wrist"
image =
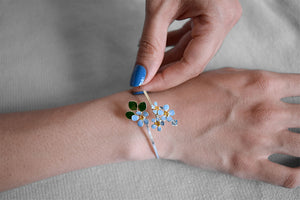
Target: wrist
[
  {"x": 136, "y": 144},
  {"x": 131, "y": 141},
  {"x": 163, "y": 139}
]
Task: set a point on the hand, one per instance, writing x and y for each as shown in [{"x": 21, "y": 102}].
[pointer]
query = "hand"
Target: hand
[
  {"x": 232, "y": 120},
  {"x": 229, "y": 120},
  {"x": 195, "y": 43}
]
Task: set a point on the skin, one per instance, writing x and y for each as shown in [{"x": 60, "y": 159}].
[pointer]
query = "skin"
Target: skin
[
  {"x": 194, "y": 44},
  {"x": 230, "y": 120}
]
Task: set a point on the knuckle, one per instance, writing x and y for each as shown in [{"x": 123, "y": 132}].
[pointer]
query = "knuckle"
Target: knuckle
[
  {"x": 261, "y": 114},
  {"x": 147, "y": 46},
  {"x": 233, "y": 12},
  {"x": 254, "y": 142},
  {"x": 291, "y": 180},
  {"x": 239, "y": 164},
  {"x": 190, "y": 70},
  {"x": 261, "y": 81}
]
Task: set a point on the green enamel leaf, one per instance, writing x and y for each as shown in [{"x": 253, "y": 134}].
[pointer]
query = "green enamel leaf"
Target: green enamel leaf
[
  {"x": 129, "y": 114},
  {"x": 132, "y": 105},
  {"x": 142, "y": 106}
]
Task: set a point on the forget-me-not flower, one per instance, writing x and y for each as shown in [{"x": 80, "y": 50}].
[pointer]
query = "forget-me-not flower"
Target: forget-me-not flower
[
  {"x": 166, "y": 113},
  {"x": 157, "y": 123},
  {"x": 140, "y": 117},
  {"x": 155, "y": 108}
]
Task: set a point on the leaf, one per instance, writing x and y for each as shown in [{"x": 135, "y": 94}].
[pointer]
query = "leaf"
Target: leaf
[
  {"x": 132, "y": 105},
  {"x": 129, "y": 114},
  {"x": 142, "y": 106}
]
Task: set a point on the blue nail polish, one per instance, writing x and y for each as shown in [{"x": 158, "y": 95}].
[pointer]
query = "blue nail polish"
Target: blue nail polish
[
  {"x": 137, "y": 93},
  {"x": 138, "y": 76}
]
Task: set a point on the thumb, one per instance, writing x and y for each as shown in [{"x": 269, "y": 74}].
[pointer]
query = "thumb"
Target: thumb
[{"x": 151, "y": 49}]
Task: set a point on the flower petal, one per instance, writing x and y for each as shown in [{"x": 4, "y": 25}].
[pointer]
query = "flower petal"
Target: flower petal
[
  {"x": 171, "y": 112},
  {"x": 169, "y": 119},
  {"x": 146, "y": 121},
  {"x": 159, "y": 128},
  {"x": 163, "y": 118},
  {"x": 140, "y": 123},
  {"x": 145, "y": 114},
  {"x": 138, "y": 112},
  {"x": 153, "y": 120},
  {"x": 166, "y": 107},
  {"x": 160, "y": 112},
  {"x": 174, "y": 122},
  {"x": 162, "y": 123},
  {"x": 134, "y": 117},
  {"x": 155, "y": 112},
  {"x": 153, "y": 126},
  {"x": 155, "y": 103}
]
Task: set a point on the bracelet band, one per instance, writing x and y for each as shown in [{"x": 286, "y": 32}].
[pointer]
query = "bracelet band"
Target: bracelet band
[
  {"x": 152, "y": 141},
  {"x": 162, "y": 114}
]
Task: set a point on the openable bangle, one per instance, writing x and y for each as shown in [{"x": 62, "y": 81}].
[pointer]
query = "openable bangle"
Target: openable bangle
[{"x": 162, "y": 114}]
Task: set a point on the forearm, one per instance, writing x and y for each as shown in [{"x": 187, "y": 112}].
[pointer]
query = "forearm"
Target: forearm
[
  {"x": 39, "y": 144},
  {"x": 220, "y": 115}
]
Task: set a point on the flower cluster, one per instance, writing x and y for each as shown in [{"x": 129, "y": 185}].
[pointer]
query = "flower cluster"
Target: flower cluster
[
  {"x": 140, "y": 113},
  {"x": 162, "y": 114}
]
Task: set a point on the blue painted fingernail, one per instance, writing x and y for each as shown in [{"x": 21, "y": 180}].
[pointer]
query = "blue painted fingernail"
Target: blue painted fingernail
[
  {"x": 138, "y": 76},
  {"x": 137, "y": 93}
]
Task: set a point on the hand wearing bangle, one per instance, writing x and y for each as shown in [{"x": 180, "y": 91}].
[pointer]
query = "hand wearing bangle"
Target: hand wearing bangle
[
  {"x": 162, "y": 115},
  {"x": 231, "y": 120}
]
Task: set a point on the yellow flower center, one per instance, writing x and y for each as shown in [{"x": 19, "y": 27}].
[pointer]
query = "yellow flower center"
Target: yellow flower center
[
  {"x": 141, "y": 117},
  {"x": 166, "y": 113},
  {"x": 157, "y": 123}
]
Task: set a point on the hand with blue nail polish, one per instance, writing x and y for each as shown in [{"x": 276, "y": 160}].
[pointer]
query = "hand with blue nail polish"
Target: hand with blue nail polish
[
  {"x": 138, "y": 76},
  {"x": 193, "y": 45},
  {"x": 231, "y": 120}
]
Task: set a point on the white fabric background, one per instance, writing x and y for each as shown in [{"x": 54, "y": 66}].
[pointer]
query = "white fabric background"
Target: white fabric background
[{"x": 58, "y": 52}]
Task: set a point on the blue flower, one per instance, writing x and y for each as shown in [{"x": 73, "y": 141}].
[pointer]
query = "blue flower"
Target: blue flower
[
  {"x": 155, "y": 108},
  {"x": 166, "y": 113},
  {"x": 157, "y": 123},
  {"x": 140, "y": 117}
]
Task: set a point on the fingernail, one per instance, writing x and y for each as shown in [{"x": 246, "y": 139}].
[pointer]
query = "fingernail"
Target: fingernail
[
  {"x": 138, "y": 76},
  {"x": 137, "y": 93}
]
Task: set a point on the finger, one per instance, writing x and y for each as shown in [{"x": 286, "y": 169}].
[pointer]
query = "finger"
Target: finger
[
  {"x": 288, "y": 143},
  {"x": 151, "y": 50},
  {"x": 196, "y": 56},
  {"x": 206, "y": 40},
  {"x": 176, "y": 53},
  {"x": 167, "y": 78},
  {"x": 292, "y": 115},
  {"x": 289, "y": 84},
  {"x": 175, "y": 36},
  {"x": 278, "y": 174}
]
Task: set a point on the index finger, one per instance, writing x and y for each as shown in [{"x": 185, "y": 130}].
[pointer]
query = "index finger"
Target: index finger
[{"x": 196, "y": 56}]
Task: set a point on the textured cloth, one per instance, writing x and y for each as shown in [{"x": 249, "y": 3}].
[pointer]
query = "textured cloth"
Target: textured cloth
[{"x": 58, "y": 52}]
